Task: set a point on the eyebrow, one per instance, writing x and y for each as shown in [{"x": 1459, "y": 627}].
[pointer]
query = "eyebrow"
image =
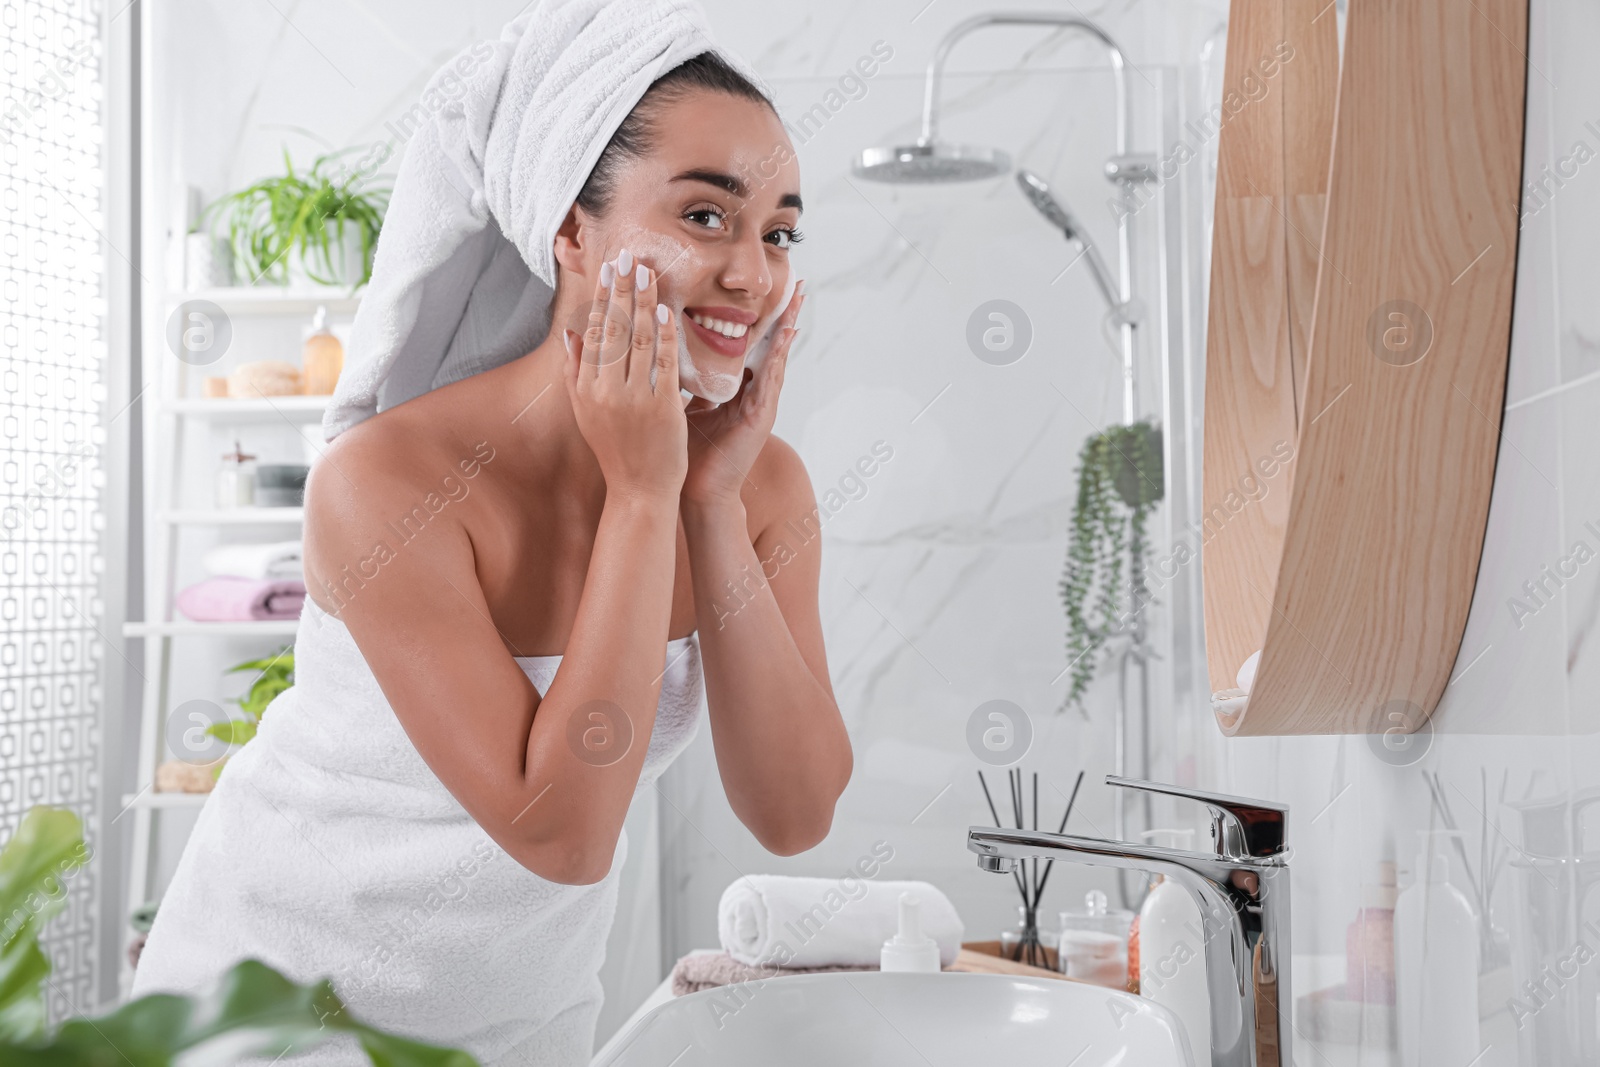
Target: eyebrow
[{"x": 735, "y": 185}]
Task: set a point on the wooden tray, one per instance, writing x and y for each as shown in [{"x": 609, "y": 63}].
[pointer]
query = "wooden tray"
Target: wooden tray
[{"x": 983, "y": 957}]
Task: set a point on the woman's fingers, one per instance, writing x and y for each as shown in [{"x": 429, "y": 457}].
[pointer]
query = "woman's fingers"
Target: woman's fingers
[
  {"x": 796, "y": 302},
  {"x": 770, "y": 381},
  {"x": 666, "y": 365},
  {"x": 594, "y": 331},
  {"x": 616, "y": 338},
  {"x": 643, "y": 349}
]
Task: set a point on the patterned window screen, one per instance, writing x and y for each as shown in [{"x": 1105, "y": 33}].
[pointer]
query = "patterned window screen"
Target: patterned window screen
[{"x": 51, "y": 303}]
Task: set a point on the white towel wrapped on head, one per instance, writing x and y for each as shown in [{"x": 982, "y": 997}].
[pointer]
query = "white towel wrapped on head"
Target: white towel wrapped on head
[
  {"x": 775, "y": 920},
  {"x": 465, "y": 272}
]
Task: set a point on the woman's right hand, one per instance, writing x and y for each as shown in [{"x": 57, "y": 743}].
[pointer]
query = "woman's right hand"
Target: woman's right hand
[{"x": 637, "y": 431}]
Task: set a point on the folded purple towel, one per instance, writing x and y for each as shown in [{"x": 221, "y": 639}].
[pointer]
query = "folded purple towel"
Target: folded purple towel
[
  {"x": 229, "y": 599},
  {"x": 708, "y": 970}
]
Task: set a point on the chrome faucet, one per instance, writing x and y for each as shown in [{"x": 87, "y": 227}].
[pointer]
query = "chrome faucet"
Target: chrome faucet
[{"x": 1242, "y": 888}]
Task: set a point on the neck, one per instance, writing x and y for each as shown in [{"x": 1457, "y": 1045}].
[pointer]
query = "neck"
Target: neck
[{"x": 544, "y": 431}]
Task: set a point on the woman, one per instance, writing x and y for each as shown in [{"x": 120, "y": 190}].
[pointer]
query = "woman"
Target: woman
[{"x": 457, "y": 881}]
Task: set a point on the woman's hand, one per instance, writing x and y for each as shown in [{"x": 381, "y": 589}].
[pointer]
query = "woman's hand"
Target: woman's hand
[
  {"x": 725, "y": 440},
  {"x": 637, "y": 431}
]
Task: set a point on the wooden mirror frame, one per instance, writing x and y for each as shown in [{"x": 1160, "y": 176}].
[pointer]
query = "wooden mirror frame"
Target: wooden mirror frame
[{"x": 1362, "y": 272}]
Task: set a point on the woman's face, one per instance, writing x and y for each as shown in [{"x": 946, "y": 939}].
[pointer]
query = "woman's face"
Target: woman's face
[{"x": 712, "y": 210}]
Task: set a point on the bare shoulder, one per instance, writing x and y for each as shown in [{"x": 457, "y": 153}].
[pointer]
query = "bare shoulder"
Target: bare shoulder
[
  {"x": 779, "y": 487},
  {"x": 377, "y": 485},
  {"x": 365, "y": 467}
]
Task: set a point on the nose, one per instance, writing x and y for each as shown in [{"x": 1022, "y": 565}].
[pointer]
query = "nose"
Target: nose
[{"x": 746, "y": 269}]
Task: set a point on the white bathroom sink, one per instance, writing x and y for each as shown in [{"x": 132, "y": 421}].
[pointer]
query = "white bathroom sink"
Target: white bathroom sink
[{"x": 903, "y": 1020}]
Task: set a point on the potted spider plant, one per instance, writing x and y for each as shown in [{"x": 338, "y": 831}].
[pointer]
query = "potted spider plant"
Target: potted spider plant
[
  {"x": 1119, "y": 484},
  {"x": 299, "y": 229}
]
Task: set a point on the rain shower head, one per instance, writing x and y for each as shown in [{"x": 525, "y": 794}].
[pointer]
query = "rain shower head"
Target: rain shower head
[
  {"x": 930, "y": 160},
  {"x": 926, "y": 163}
]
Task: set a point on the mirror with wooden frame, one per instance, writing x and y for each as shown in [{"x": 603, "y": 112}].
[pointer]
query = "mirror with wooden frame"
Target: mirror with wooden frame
[{"x": 1362, "y": 267}]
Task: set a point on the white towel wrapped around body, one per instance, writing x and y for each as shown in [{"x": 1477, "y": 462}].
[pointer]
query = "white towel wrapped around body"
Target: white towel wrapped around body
[
  {"x": 784, "y": 921},
  {"x": 464, "y": 272},
  {"x": 330, "y": 849}
]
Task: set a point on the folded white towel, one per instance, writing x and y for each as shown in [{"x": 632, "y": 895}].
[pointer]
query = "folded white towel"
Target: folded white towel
[
  {"x": 817, "y": 922},
  {"x": 277, "y": 559},
  {"x": 464, "y": 271}
]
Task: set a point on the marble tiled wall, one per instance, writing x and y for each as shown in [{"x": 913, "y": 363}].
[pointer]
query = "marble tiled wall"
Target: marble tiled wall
[{"x": 939, "y": 577}]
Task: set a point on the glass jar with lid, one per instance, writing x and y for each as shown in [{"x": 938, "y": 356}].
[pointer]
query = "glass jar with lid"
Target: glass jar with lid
[
  {"x": 236, "y": 479},
  {"x": 1093, "y": 944}
]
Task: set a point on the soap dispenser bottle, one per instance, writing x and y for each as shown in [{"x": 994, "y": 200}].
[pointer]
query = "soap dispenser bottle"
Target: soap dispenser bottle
[
  {"x": 1436, "y": 964},
  {"x": 1172, "y": 951},
  {"x": 909, "y": 949},
  {"x": 322, "y": 357}
]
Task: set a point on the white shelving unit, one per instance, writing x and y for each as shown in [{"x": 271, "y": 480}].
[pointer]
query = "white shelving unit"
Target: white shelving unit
[
  {"x": 171, "y": 406},
  {"x": 233, "y": 517}
]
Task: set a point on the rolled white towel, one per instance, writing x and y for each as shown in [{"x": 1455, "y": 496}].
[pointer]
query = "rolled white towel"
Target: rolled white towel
[
  {"x": 275, "y": 560},
  {"x": 776, "y": 920}
]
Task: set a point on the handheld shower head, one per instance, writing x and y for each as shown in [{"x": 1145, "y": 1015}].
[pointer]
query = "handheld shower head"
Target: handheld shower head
[{"x": 1039, "y": 195}]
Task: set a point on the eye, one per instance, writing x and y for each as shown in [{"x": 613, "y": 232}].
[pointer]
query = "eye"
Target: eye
[
  {"x": 790, "y": 236},
  {"x": 715, "y": 214}
]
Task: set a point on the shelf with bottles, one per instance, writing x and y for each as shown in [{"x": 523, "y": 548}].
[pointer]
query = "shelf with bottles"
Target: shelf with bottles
[{"x": 281, "y": 369}]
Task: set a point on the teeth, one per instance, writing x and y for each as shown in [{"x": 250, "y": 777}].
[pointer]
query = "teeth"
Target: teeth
[{"x": 734, "y": 330}]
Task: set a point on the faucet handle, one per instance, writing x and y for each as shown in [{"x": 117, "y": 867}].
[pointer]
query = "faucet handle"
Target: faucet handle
[{"x": 1241, "y": 828}]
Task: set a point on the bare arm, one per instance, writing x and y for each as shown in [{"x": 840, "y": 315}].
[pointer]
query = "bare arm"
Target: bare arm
[
  {"x": 781, "y": 745},
  {"x": 545, "y": 778}
]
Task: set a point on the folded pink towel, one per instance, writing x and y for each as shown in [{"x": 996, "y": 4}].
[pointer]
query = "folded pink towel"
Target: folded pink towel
[
  {"x": 708, "y": 970},
  {"x": 229, "y": 599}
]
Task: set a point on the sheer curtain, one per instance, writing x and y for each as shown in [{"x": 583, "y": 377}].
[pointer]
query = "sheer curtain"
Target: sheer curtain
[{"x": 52, "y": 614}]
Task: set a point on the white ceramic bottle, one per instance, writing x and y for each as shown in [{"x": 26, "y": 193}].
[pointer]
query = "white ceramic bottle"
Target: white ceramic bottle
[
  {"x": 1436, "y": 964},
  {"x": 1172, "y": 952}
]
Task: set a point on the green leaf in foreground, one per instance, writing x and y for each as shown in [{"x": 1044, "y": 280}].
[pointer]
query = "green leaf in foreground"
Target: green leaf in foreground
[
  {"x": 47, "y": 845},
  {"x": 254, "y": 1011}
]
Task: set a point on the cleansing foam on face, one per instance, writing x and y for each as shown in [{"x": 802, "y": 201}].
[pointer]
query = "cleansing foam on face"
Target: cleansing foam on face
[
  {"x": 666, "y": 256},
  {"x": 761, "y": 346}
]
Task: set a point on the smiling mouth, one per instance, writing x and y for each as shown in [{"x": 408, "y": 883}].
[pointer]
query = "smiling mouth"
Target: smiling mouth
[{"x": 723, "y": 336}]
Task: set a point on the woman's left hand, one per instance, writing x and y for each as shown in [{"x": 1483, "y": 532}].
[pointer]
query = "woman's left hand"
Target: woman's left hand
[{"x": 725, "y": 440}]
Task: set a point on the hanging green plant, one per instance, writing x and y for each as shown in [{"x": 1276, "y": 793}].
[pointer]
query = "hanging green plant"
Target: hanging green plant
[
  {"x": 302, "y": 215},
  {"x": 1119, "y": 483},
  {"x": 276, "y": 675}
]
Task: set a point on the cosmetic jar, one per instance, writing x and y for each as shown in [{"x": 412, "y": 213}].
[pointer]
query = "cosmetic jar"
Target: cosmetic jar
[{"x": 281, "y": 485}]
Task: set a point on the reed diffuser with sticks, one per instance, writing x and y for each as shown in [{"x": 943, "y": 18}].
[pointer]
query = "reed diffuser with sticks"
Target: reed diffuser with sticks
[
  {"x": 1494, "y": 848},
  {"x": 1030, "y": 880}
]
